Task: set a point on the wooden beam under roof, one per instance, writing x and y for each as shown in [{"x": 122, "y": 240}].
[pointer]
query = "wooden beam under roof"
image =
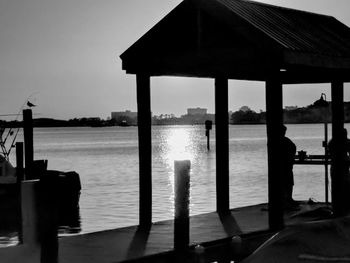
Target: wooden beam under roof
[
  {"x": 312, "y": 75},
  {"x": 303, "y": 59}
]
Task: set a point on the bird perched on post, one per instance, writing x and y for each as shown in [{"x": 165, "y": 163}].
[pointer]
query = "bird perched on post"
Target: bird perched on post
[{"x": 29, "y": 104}]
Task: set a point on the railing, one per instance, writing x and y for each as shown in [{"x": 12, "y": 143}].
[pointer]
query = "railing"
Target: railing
[
  {"x": 313, "y": 159},
  {"x": 325, "y": 160}
]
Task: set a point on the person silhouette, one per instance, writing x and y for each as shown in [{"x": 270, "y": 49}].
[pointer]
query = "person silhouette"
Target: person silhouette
[
  {"x": 346, "y": 143},
  {"x": 288, "y": 154},
  {"x": 331, "y": 148}
]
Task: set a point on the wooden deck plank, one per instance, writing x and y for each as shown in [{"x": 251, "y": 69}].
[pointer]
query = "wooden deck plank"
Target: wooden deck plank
[{"x": 132, "y": 242}]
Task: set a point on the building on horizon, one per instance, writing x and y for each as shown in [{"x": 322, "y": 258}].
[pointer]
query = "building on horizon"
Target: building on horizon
[
  {"x": 197, "y": 111},
  {"x": 197, "y": 116},
  {"x": 290, "y": 108},
  {"x": 124, "y": 118},
  {"x": 117, "y": 114}
]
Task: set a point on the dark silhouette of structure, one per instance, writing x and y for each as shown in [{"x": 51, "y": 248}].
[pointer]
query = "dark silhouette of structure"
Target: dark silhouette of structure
[
  {"x": 288, "y": 153},
  {"x": 246, "y": 40},
  {"x": 231, "y": 39},
  {"x": 345, "y": 157},
  {"x": 346, "y": 143}
]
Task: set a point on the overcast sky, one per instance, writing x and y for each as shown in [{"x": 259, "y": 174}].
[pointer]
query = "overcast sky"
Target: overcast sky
[{"x": 63, "y": 55}]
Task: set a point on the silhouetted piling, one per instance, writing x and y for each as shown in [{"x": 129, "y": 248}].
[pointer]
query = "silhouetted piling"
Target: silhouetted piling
[{"x": 208, "y": 127}]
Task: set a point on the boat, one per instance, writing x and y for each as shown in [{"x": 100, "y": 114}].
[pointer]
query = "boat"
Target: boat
[
  {"x": 7, "y": 172},
  {"x": 67, "y": 187},
  {"x": 8, "y": 175}
]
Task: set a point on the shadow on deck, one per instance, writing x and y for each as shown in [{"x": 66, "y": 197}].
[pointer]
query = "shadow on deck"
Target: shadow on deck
[{"x": 223, "y": 237}]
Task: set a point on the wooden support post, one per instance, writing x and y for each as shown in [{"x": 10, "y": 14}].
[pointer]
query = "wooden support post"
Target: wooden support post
[
  {"x": 182, "y": 205},
  {"x": 30, "y": 207},
  {"x": 145, "y": 148},
  {"x": 326, "y": 161},
  {"x": 339, "y": 173},
  {"x": 48, "y": 218},
  {"x": 28, "y": 142},
  {"x": 222, "y": 145},
  {"x": 19, "y": 162},
  {"x": 274, "y": 119},
  {"x": 20, "y": 178}
]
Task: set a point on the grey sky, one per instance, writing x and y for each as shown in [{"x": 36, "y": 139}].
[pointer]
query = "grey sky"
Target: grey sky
[{"x": 64, "y": 56}]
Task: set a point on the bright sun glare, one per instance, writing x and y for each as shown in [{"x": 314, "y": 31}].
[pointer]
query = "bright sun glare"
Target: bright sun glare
[{"x": 179, "y": 146}]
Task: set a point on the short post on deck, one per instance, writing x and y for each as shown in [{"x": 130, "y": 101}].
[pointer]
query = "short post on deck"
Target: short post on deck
[{"x": 182, "y": 202}]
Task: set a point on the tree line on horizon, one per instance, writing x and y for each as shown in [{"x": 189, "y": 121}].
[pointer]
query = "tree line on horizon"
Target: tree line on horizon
[
  {"x": 308, "y": 114},
  {"x": 299, "y": 115}
]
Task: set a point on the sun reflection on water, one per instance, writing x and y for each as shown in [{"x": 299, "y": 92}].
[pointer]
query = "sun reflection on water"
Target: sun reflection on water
[{"x": 178, "y": 144}]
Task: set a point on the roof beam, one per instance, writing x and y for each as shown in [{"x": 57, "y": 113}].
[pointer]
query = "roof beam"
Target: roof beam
[
  {"x": 305, "y": 76},
  {"x": 294, "y": 58}
]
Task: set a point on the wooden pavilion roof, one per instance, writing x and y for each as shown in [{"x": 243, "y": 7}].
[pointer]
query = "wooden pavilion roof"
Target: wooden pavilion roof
[{"x": 241, "y": 39}]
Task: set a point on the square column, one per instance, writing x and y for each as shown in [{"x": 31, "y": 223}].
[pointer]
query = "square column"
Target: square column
[
  {"x": 222, "y": 145},
  {"x": 145, "y": 148},
  {"x": 339, "y": 170},
  {"x": 274, "y": 120}
]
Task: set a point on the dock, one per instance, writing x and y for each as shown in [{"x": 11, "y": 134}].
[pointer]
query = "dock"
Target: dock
[{"x": 216, "y": 233}]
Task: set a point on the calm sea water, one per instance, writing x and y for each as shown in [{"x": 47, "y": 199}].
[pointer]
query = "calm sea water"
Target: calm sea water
[{"x": 107, "y": 161}]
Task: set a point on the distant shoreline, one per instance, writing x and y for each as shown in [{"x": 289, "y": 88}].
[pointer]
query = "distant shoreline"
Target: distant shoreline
[
  {"x": 305, "y": 115},
  {"x": 175, "y": 124}
]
